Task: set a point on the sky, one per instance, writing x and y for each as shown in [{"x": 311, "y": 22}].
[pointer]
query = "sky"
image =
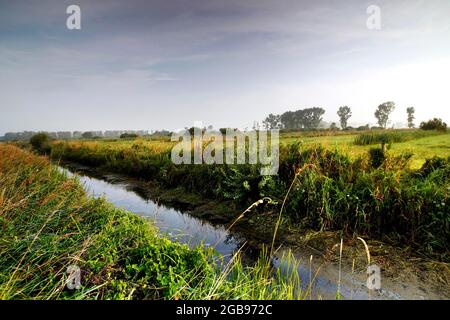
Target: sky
[{"x": 164, "y": 64}]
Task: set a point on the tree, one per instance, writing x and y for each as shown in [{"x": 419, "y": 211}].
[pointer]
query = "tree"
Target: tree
[
  {"x": 344, "y": 114},
  {"x": 272, "y": 121},
  {"x": 383, "y": 112},
  {"x": 434, "y": 124},
  {"x": 410, "y": 111},
  {"x": 333, "y": 126},
  {"x": 287, "y": 120},
  {"x": 298, "y": 119},
  {"x": 128, "y": 135},
  {"x": 309, "y": 118},
  {"x": 312, "y": 117},
  {"x": 87, "y": 135},
  {"x": 40, "y": 143}
]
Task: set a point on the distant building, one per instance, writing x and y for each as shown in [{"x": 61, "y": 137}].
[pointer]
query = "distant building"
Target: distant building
[
  {"x": 111, "y": 134},
  {"x": 52, "y": 135},
  {"x": 64, "y": 135},
  {"x": 77, "y": 134}
]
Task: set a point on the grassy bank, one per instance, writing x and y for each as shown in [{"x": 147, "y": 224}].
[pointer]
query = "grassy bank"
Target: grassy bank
[
  {"x": 48, "y": 223},
  {"x": 327, "y": 189}
]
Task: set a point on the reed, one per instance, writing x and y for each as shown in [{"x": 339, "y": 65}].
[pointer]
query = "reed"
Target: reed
[{"x": 391, "y": 136}]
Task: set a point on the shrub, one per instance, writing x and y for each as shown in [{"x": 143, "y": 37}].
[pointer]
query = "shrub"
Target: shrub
[
  {"x": 363, "y": 128},
  {"x": 433, "y": 164},
  {"x": 41, "y": 143},
  {"x": 434, "y": 124},
  {"x": 87, "y": 135},
  {"x": 128, "y": 136},
  {"x": 377, "y": 157}
]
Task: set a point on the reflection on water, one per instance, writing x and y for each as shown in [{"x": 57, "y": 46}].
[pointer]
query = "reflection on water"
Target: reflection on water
[{"x": 176, "y": 225}]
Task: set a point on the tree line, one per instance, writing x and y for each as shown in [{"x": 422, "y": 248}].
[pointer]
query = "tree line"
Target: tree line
[
  {"x": 63, "y": 135},
  {"x": 310, "y": 118}
]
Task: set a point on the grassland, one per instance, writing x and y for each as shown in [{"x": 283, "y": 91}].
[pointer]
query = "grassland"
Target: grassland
[
  {"x": 48, "y": 223},
  {"x": 422, "y": 147}
]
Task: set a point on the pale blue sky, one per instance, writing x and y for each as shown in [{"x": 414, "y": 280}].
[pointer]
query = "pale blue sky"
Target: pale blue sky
[{"x": 165, "y": 64}]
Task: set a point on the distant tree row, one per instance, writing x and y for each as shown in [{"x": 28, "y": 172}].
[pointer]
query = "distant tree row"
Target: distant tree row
[
  {"x": 310, "y": 118},
  {"x": 26, "y": 135}
]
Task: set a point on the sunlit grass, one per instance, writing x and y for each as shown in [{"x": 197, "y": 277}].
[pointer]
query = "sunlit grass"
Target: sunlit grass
[
  {"x": 421, "y": 148},
  {"x": 48, "y": 223}
]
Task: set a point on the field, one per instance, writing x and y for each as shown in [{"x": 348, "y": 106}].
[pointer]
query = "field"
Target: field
[{"x": 422, "y": 148}]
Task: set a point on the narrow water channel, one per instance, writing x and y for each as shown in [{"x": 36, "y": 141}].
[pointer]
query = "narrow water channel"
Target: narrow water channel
[
  {"x": 175, "y": 224},
  {"x": 180, "y": 226}
]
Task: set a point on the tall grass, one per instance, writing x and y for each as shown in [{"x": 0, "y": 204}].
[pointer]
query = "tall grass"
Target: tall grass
[
  {"x": 390, "y": 136},
  {"x": 390, "y": 202},
  {"x": 48, "y": 223},
  {"x": 259, "y": 281},
  {"x": 334, "y": 192}
]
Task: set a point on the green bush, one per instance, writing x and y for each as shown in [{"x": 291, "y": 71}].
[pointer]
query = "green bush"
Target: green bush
[
  {"x": 41, "y": 143},
  {"x": 128, "y": 136},
  {"x": 434, "y": 124}
]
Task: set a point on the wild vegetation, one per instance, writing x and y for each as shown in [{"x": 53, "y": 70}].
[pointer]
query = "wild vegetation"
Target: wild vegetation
[
  {"x": 434, "y": 124},
  {"x": 41, "y": 143},
  {"x": 375, "y": 194},
  {"x": 391, "y": 136},
  {"x": 48, "y": 223}
]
